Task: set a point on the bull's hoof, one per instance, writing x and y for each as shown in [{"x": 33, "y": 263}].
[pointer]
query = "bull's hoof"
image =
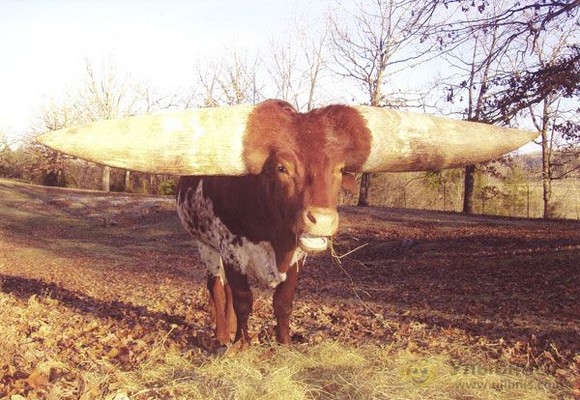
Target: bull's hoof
[
  {"x": 235, "y": 348},
  {"x": 223, "y": 339},
  {"x": 222, "y": 350}
]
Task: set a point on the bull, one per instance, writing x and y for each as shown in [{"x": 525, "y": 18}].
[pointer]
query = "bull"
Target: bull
[{"x": 259, "y": 184}]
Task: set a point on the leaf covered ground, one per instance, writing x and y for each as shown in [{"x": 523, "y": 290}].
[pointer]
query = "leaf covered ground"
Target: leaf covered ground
[{"x": 101, "y": 296}]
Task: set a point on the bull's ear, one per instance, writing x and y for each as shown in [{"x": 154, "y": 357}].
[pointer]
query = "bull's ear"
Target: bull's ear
[
  {"x": 206, "y": 141},
  {"x": 349, "y": 183},
  {"x": 415, "y": 142},
  {"x": 267, "y": 132}
]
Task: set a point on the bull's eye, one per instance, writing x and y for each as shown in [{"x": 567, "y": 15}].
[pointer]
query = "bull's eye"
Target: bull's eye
[{"x": 281, "y": 169}]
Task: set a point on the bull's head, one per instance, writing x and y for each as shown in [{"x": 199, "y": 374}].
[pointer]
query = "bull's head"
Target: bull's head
[
  {"x": 301, "y": 158},
  {"x": 301, "y": 161}
]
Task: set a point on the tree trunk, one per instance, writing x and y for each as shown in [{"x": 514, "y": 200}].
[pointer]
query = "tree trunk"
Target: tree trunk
[
  {"x": 152, "y": 185},
  {"x": 469, "y": 189},
  {"x": 546, "y": 175},
  {"x": 365, "y": 185},
  {"x": 544, "y": 127},
  {"x": 106, "y": 183},
  {"x": 365, "y": 182},
  {"x": 127, "y": 184}
]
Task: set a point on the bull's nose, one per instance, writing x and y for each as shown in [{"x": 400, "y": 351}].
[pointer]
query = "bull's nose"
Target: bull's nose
[{"x": 320, "y": 221}]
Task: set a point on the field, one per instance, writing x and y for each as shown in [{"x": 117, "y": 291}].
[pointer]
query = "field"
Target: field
[{"x": 102, "y": 297}]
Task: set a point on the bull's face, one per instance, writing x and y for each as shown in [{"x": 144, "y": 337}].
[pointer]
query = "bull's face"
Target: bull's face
[
  {"x": 303, "y": 194},
  {"x": 304, "y": 160}
]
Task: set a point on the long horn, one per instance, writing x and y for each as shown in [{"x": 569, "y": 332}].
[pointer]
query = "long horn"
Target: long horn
[
  {"x": 206, "y": 141},
  {"x": 416, "y": 142}
]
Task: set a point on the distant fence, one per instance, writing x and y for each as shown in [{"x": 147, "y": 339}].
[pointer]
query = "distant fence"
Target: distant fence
[
  {"x": 527, "y": 201},
  {"x": 522, "y": 199}
]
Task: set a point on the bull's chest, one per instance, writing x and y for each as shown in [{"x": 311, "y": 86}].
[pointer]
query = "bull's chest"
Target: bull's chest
[{"x": 219, "y": 246}]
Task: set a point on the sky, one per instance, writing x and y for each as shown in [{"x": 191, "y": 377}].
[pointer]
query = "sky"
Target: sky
[{"x": 44, "y": 43}]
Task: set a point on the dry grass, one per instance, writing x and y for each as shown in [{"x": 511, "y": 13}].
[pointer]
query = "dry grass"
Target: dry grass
[{"x": 328, "y": 370}]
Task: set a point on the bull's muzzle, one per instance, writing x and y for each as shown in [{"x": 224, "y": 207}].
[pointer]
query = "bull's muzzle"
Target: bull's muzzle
[{"x": 318, "y": 225}]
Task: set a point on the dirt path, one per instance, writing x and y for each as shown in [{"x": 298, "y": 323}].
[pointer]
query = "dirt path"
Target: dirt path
[{"x": 101, "y": 275}]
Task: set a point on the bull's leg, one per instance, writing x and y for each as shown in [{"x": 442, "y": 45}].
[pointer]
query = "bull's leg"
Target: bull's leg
[
  {"x": 283, "y": 304},
  {"x": 218, "y": 299},
  {"x": 219, "y": 292},
  {"x": 230, "y": 313},
  {"x": 242, "y": 301}
]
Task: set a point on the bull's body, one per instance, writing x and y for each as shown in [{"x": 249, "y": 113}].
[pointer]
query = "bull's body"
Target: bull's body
[
  {"x": 238, "y": 241},
  {"x": 232, "y": 225},
  {"x": 257, "y": 227}
]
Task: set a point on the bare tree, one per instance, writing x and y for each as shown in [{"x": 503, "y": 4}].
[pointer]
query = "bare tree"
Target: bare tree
[
  {"x": 6, "y": 157},
  {"x": 151, "y": 100},
  {"x": 239, "y": 80},
  {"x": 546, "y": 88},
  {"x": 296, "y": 66},
  {"x": 51, "y": 163},
  {"x": 208, "y": 81},
  {"x": 374, "y": 43},
  {"x": 475, "y": 78},
  {"x": 528, "y": 19},
  {"x": 523, "y": 25},
  {"x": 316, "y": 63},
  {"x": 501, "y": 82},
  {"x": 106, "y": 93},
  {"x": 283, "y": 69},
  {"x": 553, "y": 116},
  {"x": 230, "y": 80}
]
